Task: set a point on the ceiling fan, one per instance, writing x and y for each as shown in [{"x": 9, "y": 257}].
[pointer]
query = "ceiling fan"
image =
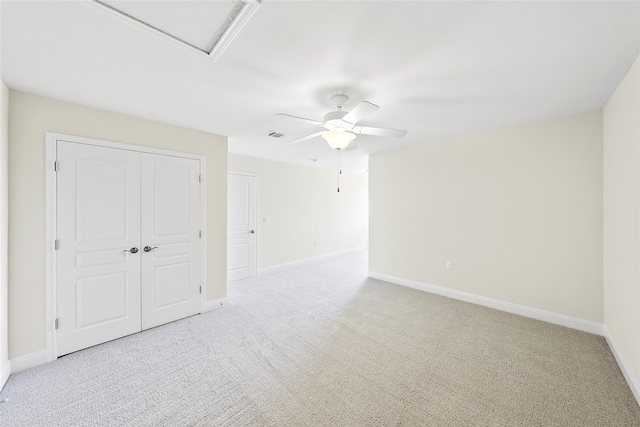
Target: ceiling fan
[{"x": 341, "y": 127}]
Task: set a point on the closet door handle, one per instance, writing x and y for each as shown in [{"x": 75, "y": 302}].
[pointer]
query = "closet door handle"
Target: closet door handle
[
  {"x": 149, "y": 248},
  {"x": 132, "y": 250}
]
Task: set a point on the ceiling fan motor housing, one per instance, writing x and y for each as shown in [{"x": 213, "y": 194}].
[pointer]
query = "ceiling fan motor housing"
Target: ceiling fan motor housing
[{"x": 333, "y": 121}]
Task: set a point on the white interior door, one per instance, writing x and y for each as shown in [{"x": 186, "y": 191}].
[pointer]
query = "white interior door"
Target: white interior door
[
  {"x": 128, "y": 238},
  {"x": 241, "y": 227},
  {"x": 171, "y": 283},
  {"x": 98, "y": 236}
]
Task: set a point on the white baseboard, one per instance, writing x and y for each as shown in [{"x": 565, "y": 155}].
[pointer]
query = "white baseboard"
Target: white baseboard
[
  {"x": 29, "y": 360},
  {"x": 279, "y": 267},
  {"x": 215, "y": 304},
  {"x": 522, "y": 310},
  {"x": 4, "y": 375},
  {"x": 634, "y": 384}
]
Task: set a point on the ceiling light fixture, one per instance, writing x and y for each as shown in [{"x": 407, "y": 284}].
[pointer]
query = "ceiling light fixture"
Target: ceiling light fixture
[{"x": 338, "y": 139}]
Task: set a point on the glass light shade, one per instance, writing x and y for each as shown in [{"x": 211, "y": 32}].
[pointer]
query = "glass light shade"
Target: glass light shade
[{"x": 338, "y": 139}]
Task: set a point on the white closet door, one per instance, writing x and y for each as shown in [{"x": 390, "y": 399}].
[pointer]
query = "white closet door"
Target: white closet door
[
  {"x": 98, "y": 232},
  {"x": 170, "y": 209}
]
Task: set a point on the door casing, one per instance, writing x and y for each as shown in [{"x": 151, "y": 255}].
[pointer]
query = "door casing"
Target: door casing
[{"x": 51, "y": 139}]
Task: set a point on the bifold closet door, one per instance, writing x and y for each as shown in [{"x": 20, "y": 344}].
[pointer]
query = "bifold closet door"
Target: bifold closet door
[
  {"x": 98, "y": 256},
  {"x": 170, "y": 207}
]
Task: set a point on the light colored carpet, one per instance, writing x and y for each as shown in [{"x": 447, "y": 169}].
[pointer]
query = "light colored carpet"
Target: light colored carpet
[{"x": 321, "y": 345}]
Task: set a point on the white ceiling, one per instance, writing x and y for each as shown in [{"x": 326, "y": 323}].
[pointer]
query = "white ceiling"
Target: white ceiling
[{"x": 438, "y": 69}]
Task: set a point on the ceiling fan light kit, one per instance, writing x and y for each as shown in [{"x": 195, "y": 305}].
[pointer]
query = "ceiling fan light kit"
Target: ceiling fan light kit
[{"x": 338, "y": 139}]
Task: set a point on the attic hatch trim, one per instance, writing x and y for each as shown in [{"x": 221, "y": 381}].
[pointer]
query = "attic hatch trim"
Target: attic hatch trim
[{"x": 225, "y": 34}]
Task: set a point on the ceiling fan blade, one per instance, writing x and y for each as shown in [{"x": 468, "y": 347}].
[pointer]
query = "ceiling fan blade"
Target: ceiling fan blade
[
  {"x": 360, "y": 111},
  {"x": 315, "y": 122},
  {"x": 304, "y": 138},
  {"x": 366, "y": 130}
]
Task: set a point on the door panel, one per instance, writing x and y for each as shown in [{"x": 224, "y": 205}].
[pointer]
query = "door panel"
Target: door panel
[
  {"x": 101, "y": 213},
  {"x": 241, "y": 227},
  {"x": 100, "y": 299},
  {"x": 170, "y": 284},
  {"x": 238, "y": 255},
  {"x": 98, "y": 217},
  {"x": 171, "y": 226}
]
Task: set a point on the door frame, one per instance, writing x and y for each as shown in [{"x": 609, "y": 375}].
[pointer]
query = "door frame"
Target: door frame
[
  {"x": 51, "y": 138},
  {"x": 255, "y": 203}
]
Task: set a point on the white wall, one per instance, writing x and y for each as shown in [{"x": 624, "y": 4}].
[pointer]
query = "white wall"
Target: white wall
[
  {"x": 4, "y": 314},
  {"x": 30, "y": 117},
  {"x": 303, "y": 206},
  {"x": 518, "y": 211},
  {"x": 622, "y": 219}
]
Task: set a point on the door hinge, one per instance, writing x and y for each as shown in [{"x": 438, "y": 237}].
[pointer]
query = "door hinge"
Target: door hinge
[
  {"x": 56, "y": 245},
  {"x": 55, "y": 324},
  {"x": 199, "y": 178},
  {"x": 56, "y": 166},
  {"x": 200, "y": 234},
  {"x": 200, "y": 288}
]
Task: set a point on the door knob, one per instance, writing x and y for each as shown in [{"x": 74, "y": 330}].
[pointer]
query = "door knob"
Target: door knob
[
  {"x": 252, "y": 231},
  {"x": 149, "y": 248},
  {"x": 132, "y": 250}
]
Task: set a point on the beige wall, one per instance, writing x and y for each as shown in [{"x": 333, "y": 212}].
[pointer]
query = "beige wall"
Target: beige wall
[
  {"x": 4, "y": 316},
  {"x": 303, "y": 205},
  {"x": 518, "y": 211},
  {"x": 29, "y": 118},
  {"x": 622, "y": 218}
]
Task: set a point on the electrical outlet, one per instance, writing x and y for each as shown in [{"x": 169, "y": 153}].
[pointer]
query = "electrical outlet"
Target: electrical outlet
[{"x": 449, "y": 265}]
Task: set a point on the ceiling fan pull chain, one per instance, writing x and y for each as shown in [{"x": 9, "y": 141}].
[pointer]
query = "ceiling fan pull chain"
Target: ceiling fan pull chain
[{"x": 339, "y": 167}]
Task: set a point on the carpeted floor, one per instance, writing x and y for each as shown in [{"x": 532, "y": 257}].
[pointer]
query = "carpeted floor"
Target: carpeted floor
[{"x": 322, "y": 345}]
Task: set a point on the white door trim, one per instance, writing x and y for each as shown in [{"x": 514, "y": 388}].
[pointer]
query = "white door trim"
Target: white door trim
[
  {"x": 50, "y": 221},
  {"x": 257, "y": 198}
]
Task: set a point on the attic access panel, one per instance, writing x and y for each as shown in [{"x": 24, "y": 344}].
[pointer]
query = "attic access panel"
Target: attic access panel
[{"x": 206, "y": 26}]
